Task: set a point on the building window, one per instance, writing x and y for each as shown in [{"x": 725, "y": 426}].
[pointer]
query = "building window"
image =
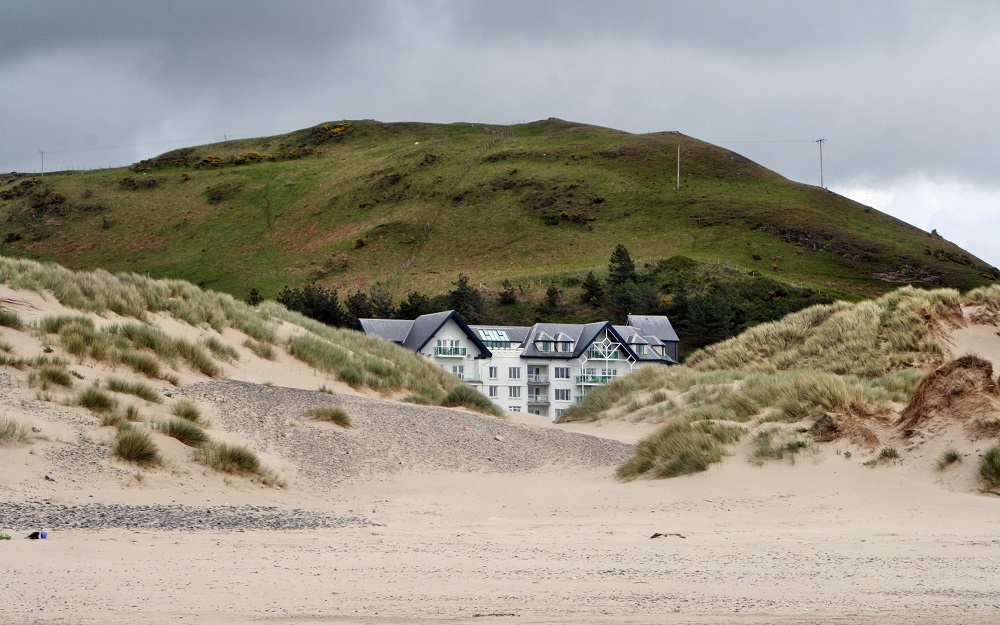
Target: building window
[
  {"x": 546, "y": 346},
  {"x": 459, "y": 371},
  {"x": 514, "y": 373},
  {"x": 565, "y": 347},
  {"x": 641, "y": 350},
  {"x": 562, "y": 373},
  {"x": 493, "y": 373},
  {"x": 494, "y": 392},
  {"x": 562, "y": 394},
  {"x": 513, "y": 408},
  {"x": 610, "y": 373},
  {"x": 514, "y": 392}
]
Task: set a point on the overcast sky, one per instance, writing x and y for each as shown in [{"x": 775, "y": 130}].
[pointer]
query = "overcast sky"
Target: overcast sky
[{"x": 906, "y": 93}]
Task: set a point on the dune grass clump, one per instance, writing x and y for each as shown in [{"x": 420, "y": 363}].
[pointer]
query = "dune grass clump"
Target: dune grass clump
[
  {"x": 771, "y": 444},
  {"x": 136, "y": 445},
  {"x": 467, "y": 397},
  {"x": 680, "y": 447},
  {"x": 989, "y": 468},
  {"x": 886, "y": 455},
  {"x": 186, "y": 409},
  {"x": 262, "y": 350},
  {"x": 134, "y": 387},
  {"x": 10, "y": 319},
  {"x": 221, "y": 350},
  {"x": 199, "y": 359},
  {"x": 948, "y": 458},
  {"x": 96, "y": 400},
  {"x": 332, "y": 414},
  {"x": 228, "y": 458},
  {"x": 49, "y": 375},
  {"x": 184, "y": 431},
  {"x": 141, "y": 362},
  {"x": 12, "y": 431}
]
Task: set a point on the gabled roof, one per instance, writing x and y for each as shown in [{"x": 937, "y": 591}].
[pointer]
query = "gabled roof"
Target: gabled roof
[
  {"x": 394, "y": 330},
  {"x": 654, "y": 325},
  {"x": 426, "y": 326}
]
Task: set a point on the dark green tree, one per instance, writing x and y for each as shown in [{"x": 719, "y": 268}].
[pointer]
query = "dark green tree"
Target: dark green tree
[
  {"x": 415, "y": 304},
  {"x": 508, "y": 294},
  {"x": 381, "y": 302},
  {"x": 254, "y": 297},
  {"x": 593, "y": 291},
  {"x": 466, "y": 300},
  {"x": 621, "y": 268},
  {"x": 359, "y": 306},
  {"x": 315, "y": 302}
]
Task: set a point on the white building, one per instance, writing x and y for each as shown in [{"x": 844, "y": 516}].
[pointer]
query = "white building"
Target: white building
[{"x": 543, "y": 369}]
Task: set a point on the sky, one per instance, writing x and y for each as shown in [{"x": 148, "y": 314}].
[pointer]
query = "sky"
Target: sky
[{"x": 904, "y": 92}]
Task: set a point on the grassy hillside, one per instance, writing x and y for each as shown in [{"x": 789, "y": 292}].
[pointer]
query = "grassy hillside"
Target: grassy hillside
[{"x": 410, "y": 204}]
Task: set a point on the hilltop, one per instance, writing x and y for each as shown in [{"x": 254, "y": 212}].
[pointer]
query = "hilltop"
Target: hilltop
[{"x": 412, "y": 205}]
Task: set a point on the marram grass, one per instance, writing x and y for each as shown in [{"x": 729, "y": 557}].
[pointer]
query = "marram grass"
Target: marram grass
[{"x": 332, "y": 414}]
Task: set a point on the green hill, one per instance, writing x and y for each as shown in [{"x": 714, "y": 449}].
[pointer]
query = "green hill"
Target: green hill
[{"x": 412, "y": 205}]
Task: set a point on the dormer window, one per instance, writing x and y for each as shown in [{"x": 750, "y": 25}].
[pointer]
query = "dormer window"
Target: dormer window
[
  {"x": 544, "y": 346},
  {"x": 565, "y": 347},
  {"x": 641, "y": 350}
]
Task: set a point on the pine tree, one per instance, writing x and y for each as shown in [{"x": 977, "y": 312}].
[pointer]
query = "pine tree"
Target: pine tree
[
  {"x": 593, "y": 292},
  {"x": 621, "y": 269},
  {"x": 466, "y": 300}
]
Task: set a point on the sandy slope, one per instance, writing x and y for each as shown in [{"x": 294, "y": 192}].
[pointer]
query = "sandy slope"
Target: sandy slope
[{"x": 492, "y": 531}]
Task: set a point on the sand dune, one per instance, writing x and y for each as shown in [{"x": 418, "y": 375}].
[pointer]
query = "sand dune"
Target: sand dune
[{"x": 429, "y": 515}]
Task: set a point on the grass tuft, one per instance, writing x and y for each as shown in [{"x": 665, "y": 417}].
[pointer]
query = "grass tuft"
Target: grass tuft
[
  {"x": 12, "y": 431},
  {"x": 989, "y": 468},
  {"x": 770, "y": 444},
  {"x": 136, "y": 445},
  {"x": 186, "y": 409},
  {"x": 262, "y": 350},
  {"x": 468, "y": 397},
  {"x": 10, "y": 319},
  {"x": 680, "y": 447},
  {"x": 948, "y": 458},
  {"x": 96, "y": 400},
  {"x": 184, "y": 431},
  {"x": 136, "y": 387},
  {"x": 228, "y": 458},
  {"x": 333, "y": 414},
  {"x": 221, "y": 350}
]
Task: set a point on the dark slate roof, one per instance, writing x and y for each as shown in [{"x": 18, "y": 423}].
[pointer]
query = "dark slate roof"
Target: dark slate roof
[
  {"x": 394, "y": 330},
  {"x": 654, "y": 325},
  {"x": 426, "y": 326}
]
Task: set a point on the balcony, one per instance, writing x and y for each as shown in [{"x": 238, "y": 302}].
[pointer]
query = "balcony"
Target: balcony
[
  {"x": 538, "y": 400},
  {"x": 538, "y": 379},
  {"x": 578, "y": 398},
  {"x": 594, "y": 379},
  {"x": 451, "y": 351},
  {"x": 603, "y": 354},
  {"x": 471, "y": 378}
]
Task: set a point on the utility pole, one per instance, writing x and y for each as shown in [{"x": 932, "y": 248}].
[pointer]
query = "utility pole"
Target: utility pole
[
  {"x": 820, "y": 142},
  {"x": 677, "y": 187},
  {"x": 42, "y": 153}
]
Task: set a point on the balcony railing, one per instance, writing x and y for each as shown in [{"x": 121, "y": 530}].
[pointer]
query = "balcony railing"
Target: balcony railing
[
  {"x": 538, "y": 400},
  {"x": 538, "y": 379},
  {"x": 604, "y": 354},
  {"x": 578, "y": 398},
  {"x": 472, "y": 378},
  {"x": 451, "y": 351},
  {"x": 594, "y": 379}
]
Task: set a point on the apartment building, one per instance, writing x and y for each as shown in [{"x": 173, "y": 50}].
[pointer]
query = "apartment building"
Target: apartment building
[{"x": 542, "y": 369}]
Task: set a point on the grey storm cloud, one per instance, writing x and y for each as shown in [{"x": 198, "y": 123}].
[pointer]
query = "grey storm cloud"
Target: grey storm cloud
[{"x": 901, "y": 89}]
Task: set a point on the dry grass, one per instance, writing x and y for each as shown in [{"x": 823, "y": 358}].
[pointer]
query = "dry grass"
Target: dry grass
[
  {"x": 186, "y": 409},
  {"x": 134, "y": 387},
  {"x": 332, "y": 414},
  {"x": 12, "y": 431},
  {"x": 867, "y": 339}
]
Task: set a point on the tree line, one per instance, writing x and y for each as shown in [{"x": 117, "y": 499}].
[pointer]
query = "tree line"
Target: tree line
[{"x": 704, "y": 304}]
